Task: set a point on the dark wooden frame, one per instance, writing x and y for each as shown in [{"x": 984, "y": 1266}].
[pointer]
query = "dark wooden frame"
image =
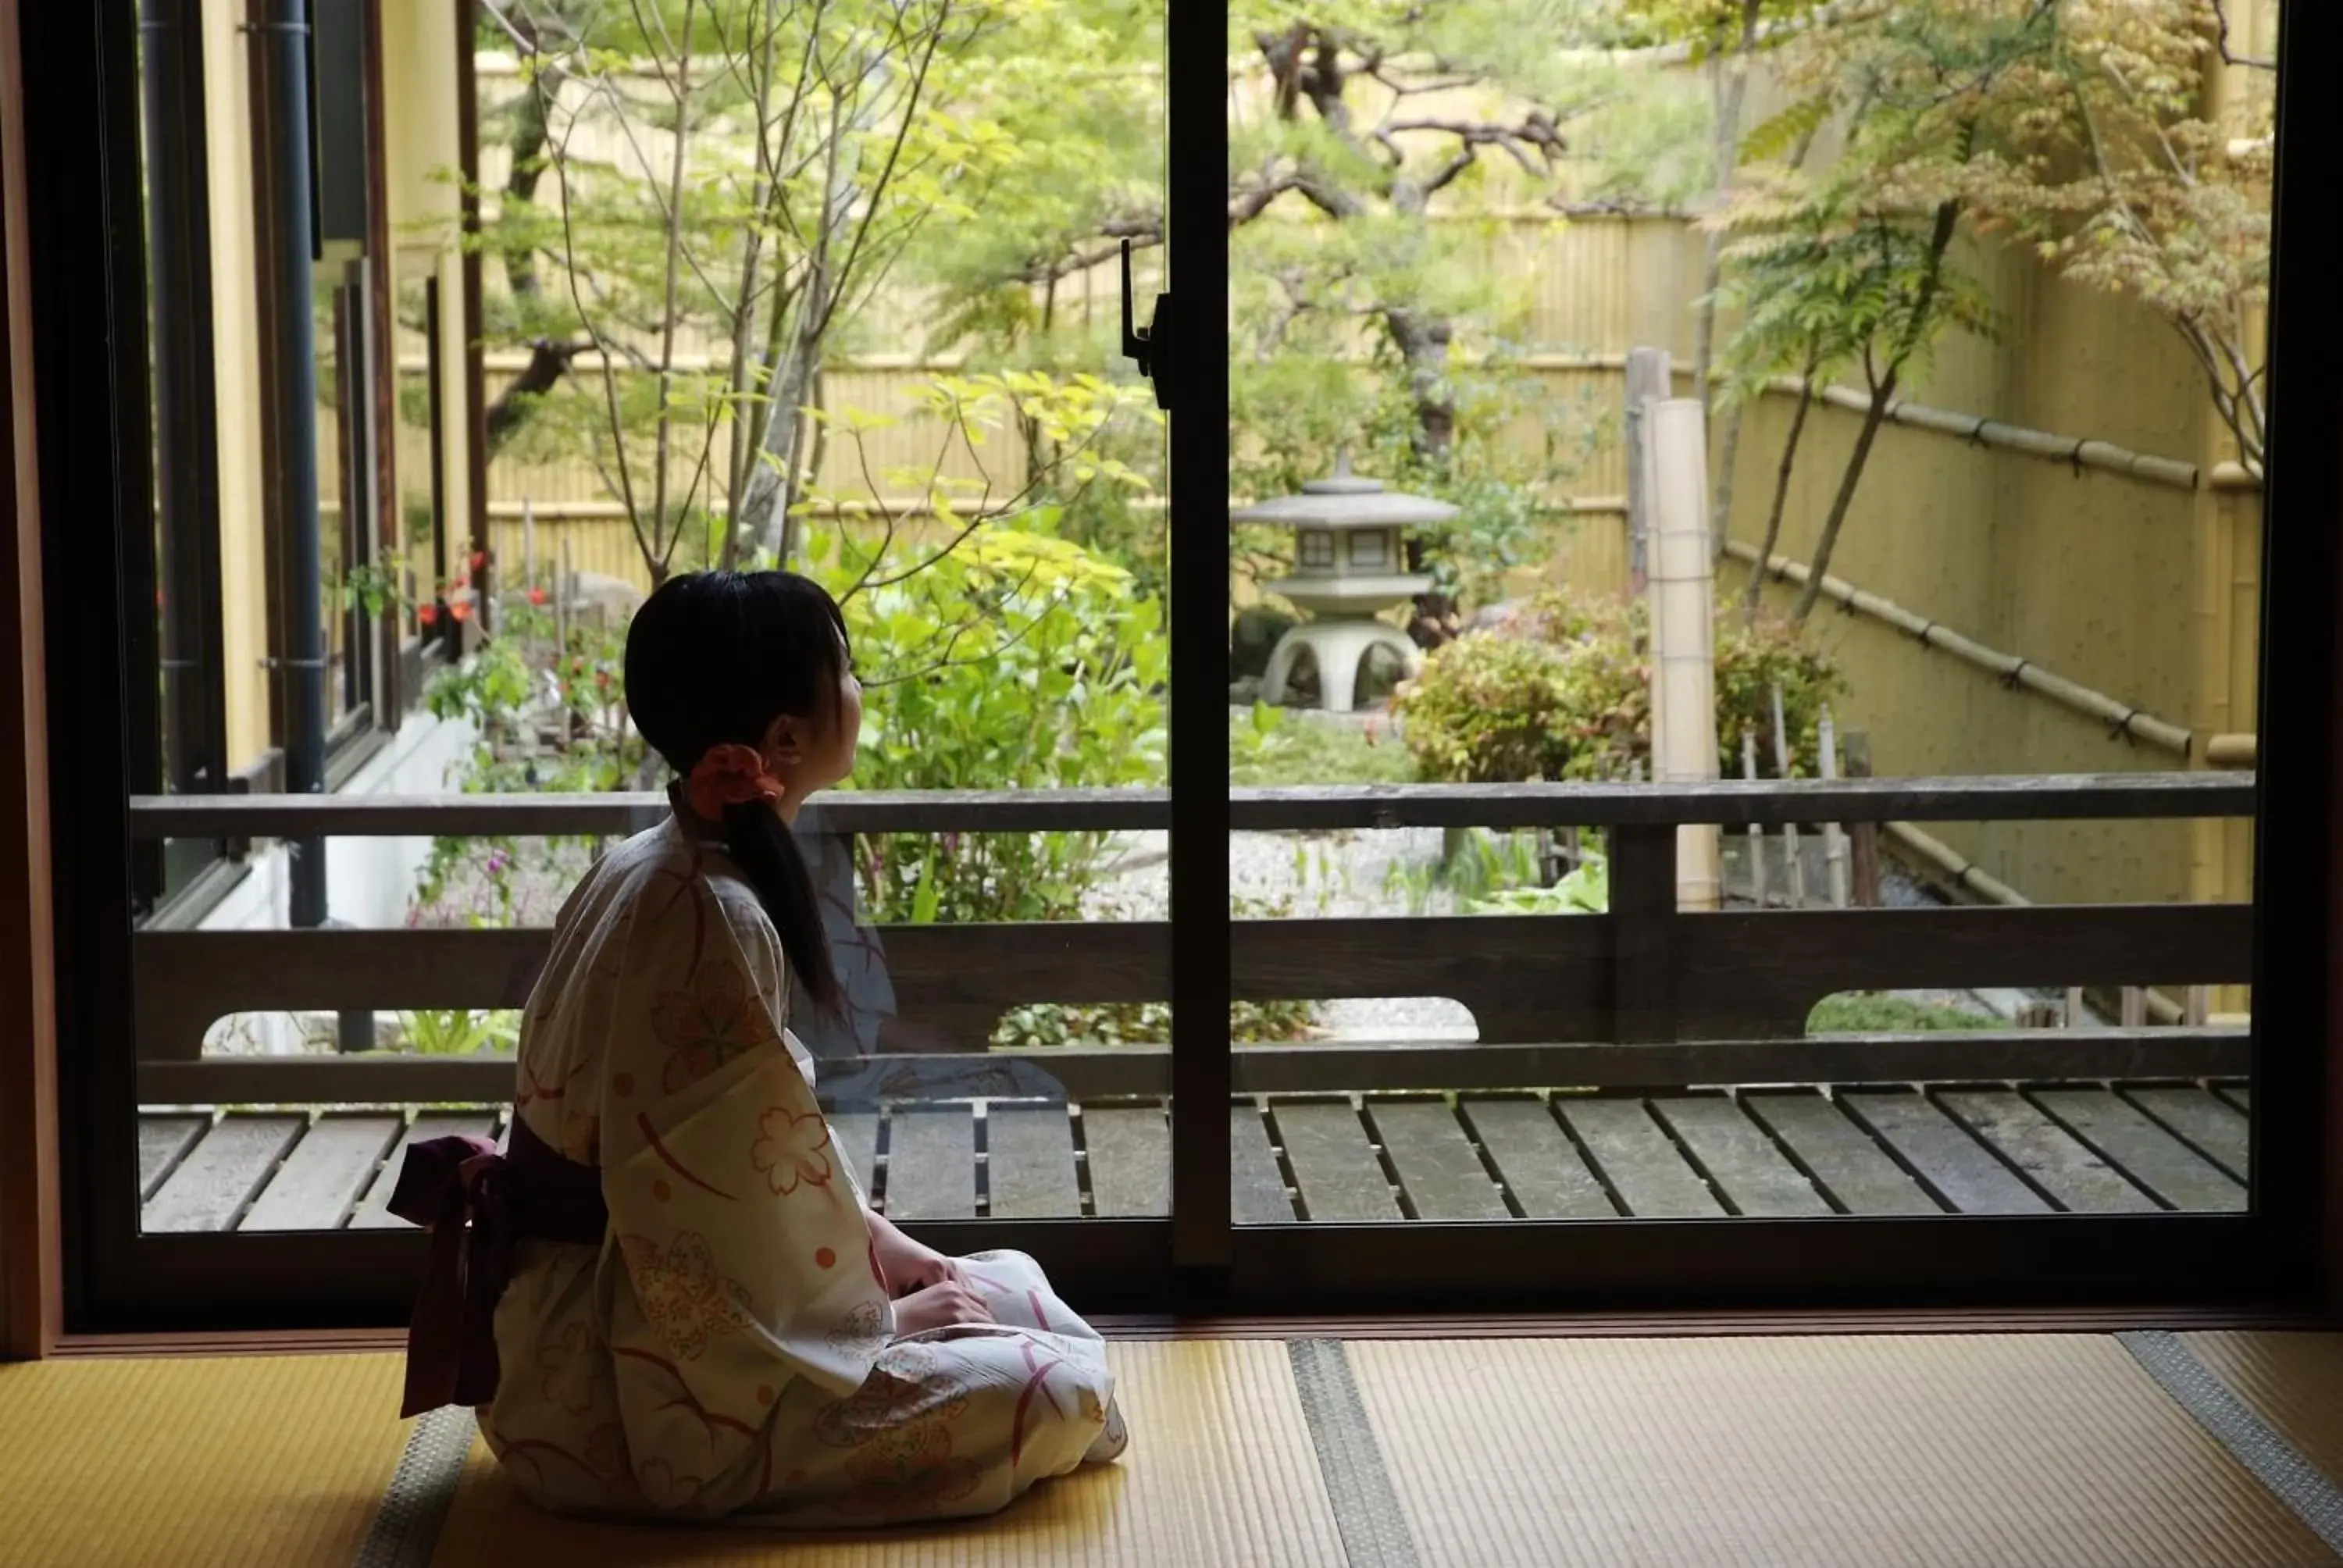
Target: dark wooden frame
[
  {"x": 32, "y": 1295},
  {"x": 84, "y": 263},
  {"x": 2297, "y": 1175},
  {"x": 1637, "y": 998},
  {"x": 1191, "y": 377}
]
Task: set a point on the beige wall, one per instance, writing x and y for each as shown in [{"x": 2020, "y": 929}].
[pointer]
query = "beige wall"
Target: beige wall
[
  {"x": 421, "y": 136},
  {"x": 235, "y": 338}
]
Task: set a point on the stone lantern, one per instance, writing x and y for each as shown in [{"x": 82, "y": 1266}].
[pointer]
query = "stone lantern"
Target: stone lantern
[{"x": 1349, "y": 566}]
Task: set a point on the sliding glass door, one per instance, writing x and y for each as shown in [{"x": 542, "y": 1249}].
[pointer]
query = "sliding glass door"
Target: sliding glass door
[
  {"x": 1739, "y": 776},
  {"x": 1743, "y": 676}
]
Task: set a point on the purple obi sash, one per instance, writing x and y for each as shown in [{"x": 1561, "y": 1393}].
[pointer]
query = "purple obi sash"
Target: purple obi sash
[{"x": 477, "y": 1203}]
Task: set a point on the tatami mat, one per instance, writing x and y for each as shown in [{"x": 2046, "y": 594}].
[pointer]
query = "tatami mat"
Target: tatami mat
[
  {"x": 2018, "y": 1452},
  {"x": 1221, "y": 1471},
  {"x": 2293, "y": 1382},
  {"x": 251, "y": 1462},
  {"x": 2015, "y": 1452}
]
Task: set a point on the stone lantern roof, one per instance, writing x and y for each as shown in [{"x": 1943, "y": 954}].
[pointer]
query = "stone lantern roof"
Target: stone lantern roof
[{"x": 1346, "y": 500}]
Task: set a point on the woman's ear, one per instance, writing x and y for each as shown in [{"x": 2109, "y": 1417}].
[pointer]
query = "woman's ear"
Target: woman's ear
[{"x": 787, "y": 741}]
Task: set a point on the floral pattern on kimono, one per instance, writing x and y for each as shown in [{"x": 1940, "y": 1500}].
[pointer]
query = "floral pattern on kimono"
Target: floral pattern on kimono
[{"x": 731, "y": 1349}]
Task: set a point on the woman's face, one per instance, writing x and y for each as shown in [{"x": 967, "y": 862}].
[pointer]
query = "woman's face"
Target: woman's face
[
  {"x": 846, "y": 733},
  {"x": 816, "y": 751}
]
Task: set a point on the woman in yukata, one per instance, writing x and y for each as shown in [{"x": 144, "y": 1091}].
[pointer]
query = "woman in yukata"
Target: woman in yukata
[{"x": 669, "y": 1298}]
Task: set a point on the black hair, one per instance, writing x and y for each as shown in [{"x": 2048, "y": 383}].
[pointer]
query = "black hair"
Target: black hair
[{"x": 713, "y": 658}]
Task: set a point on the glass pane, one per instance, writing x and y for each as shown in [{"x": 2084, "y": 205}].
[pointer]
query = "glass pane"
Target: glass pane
[
  {"x": 934, "y": 422},
  {"x": 1612, "y": 411}
]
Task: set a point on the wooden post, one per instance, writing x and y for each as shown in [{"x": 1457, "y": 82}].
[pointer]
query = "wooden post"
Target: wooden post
[
  {"x": 1834, "y": 842},
  {"x": 1684, "y": 625},
  {"x": 1756, "y": 832},
  {"x": 1648, "y": 376},
  {"x": 1642, "y": 914},
  {"x": 1789, "y": 830},
  {"x": 2135, "y": 1008},
  {"x": 1864, "y": 837},
  {"x": 2075, "y": 1012}
]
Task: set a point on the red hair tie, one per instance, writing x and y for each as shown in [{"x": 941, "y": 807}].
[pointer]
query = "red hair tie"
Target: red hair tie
[{"x": 729, "y": 775}]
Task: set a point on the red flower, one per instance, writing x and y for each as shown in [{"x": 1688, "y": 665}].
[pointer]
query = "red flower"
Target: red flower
[
  {"x": 460, "y": 611},
  {"x": 479, "y": 560},
  {"x": 536, "y": 596},
  {"x": 426, "y": 613}
]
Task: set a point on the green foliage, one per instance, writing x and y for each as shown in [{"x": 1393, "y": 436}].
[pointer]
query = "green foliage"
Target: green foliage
[
  {"x": 1584, "y": 891},
  {"x": 547, "y": 715},
  {"x": 1821, "y": 291},
  {"x": 1268, "y": 746},
  {"x": 459, "y": 1032},
  {"x": 1016, "y": 661},
  {"x": 1563, "y": 692},
  {"x": 1883, "y": 1012}
]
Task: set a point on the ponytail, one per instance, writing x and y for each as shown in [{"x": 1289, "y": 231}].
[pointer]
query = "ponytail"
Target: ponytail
[
  {"x": 769, "y": 856},
  {"x": 712, "y": 658}
]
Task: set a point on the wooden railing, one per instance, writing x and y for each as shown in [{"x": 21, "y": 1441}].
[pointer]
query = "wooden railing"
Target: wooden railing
[{"x": 1641, "y": 996}]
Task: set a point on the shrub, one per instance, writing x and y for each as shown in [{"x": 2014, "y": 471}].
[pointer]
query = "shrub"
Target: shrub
[
  {"x": 1562, "y": 690},
  {"x": 1019, "y": 661}
]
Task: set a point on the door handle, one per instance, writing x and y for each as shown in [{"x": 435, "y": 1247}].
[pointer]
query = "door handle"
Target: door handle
[{"x": 1147, "y": 348}]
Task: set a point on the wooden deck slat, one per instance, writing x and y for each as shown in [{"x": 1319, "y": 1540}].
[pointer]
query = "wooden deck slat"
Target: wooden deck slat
[
  {"x": 1967, "y": 1173},
  {"x": 1740, "y": 1158},
  {"x": 163, "y": 1141},
  {"x": 1028, "y": 1158},
  {"x": 1257, "y": 1195},
  {"x": 2069, "y": 1170},
  {"x": 1333, "y": 1164},
  {"x": 221, "y": 1174},
  {"x": 855, "y": 1135},
  {"x": 372, "y": 1212},
  {"x": 2212, "y": 1125},
  {"x": 1542, "y": 1167},
  {"x": 1439, "y": 1169},
  {"x": 2150, "y": 1155},
  {"x": 1844, "y": 1157},
  {"x": 325, "y": 1174},
  {"x": 1129, "y": 1150},
  {"x": 1642, "y": 1165},
  {"x": 931, "y": 1163}
]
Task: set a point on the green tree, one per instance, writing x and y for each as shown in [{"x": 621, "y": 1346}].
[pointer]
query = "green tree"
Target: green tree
[
  {"x": 731, "y": 182},
  {"x": 1939, "y": 101},
  {"x": 1374, "y": 149},
  {"x": 2148, "y": 175}
]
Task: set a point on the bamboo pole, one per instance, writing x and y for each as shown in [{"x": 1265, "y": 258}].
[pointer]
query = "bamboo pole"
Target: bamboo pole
[
  {"x": 1683, "y": 626},
  {"x": 1833, "y": 840},
  {"x": 1864, "y": 836},
  {"x": 2120, "y": 717},
  {"x": 2231, "y": 751},
  {"x": 2078, "y": 451},
  {"x": 1756, "y": 832},
  {"x": 1789, "y": 830},
  {"x": 1648, "y": 382}
]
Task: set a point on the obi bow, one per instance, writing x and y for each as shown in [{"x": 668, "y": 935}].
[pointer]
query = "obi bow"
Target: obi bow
[{"x": 478, "y": 1204}]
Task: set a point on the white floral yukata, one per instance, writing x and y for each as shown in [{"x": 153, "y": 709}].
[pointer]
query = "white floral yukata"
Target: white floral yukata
[{"x": 729, "y": 1349}]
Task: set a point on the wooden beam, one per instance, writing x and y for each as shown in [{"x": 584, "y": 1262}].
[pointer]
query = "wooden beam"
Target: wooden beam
[
  {"x": 2029, "y": 1056},
  {"x": 1732, "y": 803},
  {"x": 31, "y": 1287},
  {"x": 1640, "y": 975}
]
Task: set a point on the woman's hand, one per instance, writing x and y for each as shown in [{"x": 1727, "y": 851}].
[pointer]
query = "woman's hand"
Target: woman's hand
[
  {"x": 909, "y": 1267},
  {"x": 939, "y": 1306}
]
